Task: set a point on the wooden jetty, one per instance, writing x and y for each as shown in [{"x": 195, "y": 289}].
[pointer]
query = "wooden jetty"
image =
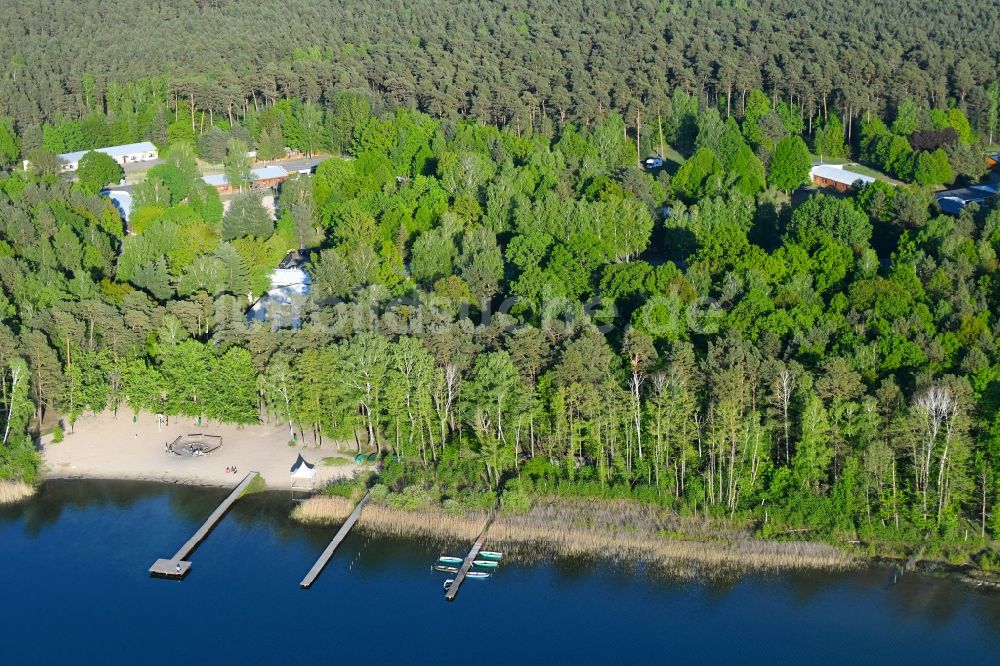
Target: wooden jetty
[
  {"x": 452, "y": 591},
  {"x": 338, "y": 537},
  {"x": 178, "y": 566}
]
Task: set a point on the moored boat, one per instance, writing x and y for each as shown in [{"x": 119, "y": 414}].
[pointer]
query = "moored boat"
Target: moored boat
[
  {"x": 448, "y": 583},
  {"x": 444, "y": 559},
  {"x": 477, "y": 574},
  {"x": 441, "y": 568},
  {"x": 486, "y": 564},
  {"x": 490, "y": 555}
]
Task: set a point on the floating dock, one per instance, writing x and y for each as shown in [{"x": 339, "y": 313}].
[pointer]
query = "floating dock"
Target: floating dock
[
  {"x": 452, "y": 591},
  {"x": 328, "y": 553},
  {"x": 178, "y": 566}
]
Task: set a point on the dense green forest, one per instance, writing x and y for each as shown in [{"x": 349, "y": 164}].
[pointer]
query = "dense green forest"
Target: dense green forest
[
  {"x": 523, "y": 64},
  {"x": 501, "y": 299},
  {"x": 493, "y": 309}
]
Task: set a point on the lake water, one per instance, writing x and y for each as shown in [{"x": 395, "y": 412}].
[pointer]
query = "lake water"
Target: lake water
[{"x": 73, "y": 564}]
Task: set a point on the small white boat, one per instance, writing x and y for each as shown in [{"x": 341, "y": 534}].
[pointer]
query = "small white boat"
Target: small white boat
[
  {"x": 477, "y": 574},
  {"x": 448, "y": 583},
  {"x": 443, "y": 568},
  {"x": 444, "y": 559}
]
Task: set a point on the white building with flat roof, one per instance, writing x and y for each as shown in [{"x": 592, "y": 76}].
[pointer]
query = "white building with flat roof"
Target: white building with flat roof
[
  {"x": 261, "y": 177},
  {"x": 144, "y": 151},
  {"x": 837, "y": 177}
]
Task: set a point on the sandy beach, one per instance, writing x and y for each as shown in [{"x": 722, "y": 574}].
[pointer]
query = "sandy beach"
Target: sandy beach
[{"x": 105, "y": 447}]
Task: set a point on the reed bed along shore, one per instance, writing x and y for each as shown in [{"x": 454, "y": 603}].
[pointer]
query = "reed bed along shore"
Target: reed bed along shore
[
  {"x": 389, "y": 521},
  {"x": 624, "y": 531},
  {"x": 15, "y": 491},
  {"x": 606, "y": 531},
  {"x": 323, "y": 510}
]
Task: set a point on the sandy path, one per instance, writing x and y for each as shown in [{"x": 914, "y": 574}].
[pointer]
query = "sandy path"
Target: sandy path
[{"x": 106, "y": 447}]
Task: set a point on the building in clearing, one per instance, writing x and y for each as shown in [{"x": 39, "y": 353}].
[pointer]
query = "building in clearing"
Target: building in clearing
[
  {"x": 122, "y": 201},
  {"x": 953, "y": 201},
  {"x": 261, "y": 177},
  {"x": 285, "y": 299},
  {"x": 837, "y": 177},
  {"x": 130, "y": 153}
]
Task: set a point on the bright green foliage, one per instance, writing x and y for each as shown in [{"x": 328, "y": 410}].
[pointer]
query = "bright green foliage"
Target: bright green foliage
[
  {"x": 247, "y": 217},
  {"x": 178, "y": 183},
  {"x": 700, "y": 176},
  {"x": 237, "y": 165},
  {"x": 761, "y": 359},
  {"x": 907, "y": 119},
  {"x": 10, "y": 144},
  {"x": 434, "y": 253},
  {"x": 932, "y": 168},
  {"x": 790, "y": 164},
  {"x": 757, "y": 106},
  {"x": 97, "y": 170},
  {"x": 838, "y": 217},
  {"x": 878, "y": 199},
  {"x": 748, "y": 172},
  {"x": 271, "y": 145},
  {"x": 830, "y": 139},
  {"x": 813, "y": 451}
]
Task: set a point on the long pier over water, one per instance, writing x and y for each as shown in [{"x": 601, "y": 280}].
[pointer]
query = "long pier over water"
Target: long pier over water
[
  {"x": 178, "y": 565},
  {"x": 452, "y": 591},
  {"x": 328, "y": 553}
]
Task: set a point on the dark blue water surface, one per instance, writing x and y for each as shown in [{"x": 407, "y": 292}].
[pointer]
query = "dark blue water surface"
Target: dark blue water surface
[{"x": 73, "y": 564}]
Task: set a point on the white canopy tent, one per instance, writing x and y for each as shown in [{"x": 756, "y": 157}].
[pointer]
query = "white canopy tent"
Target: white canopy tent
[{"x": 303, "y": 474}]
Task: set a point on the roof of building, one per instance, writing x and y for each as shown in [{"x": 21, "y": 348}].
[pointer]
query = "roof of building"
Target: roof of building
[
  {"x": 261, "y": 173},
  {"x": 951, "y": 205},
  {"x": 287, "y": 277},
  {"x": 838, "y": 174},
  {"x": 113, "y": 151},
  {"x": 264, "y": 173},
  {"x": 215, "y": 179},
  {"x": 953, "y": 201},
  {"x": 294, "y": 259},
  {"x": 971, "y": 194},
  {"x": 122, "y": 201}
]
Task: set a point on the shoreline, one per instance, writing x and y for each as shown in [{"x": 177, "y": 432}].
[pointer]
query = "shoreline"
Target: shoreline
[
  {"x": 711, "y": 556},
  {"x": 12, "y": 492},
  {"x": 619, "y": 531},
  {"x": 109, "y": 447}
]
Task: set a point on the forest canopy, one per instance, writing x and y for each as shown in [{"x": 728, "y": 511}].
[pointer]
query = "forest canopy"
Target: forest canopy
[
  {"x": 502, "y": 300},
  {"x": 515, "y": 63}
]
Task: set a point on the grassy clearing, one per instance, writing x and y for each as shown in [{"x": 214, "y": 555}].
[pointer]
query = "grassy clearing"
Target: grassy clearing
[
  {"x": 15, "y": 491},
  {"x": 868, "y": 171},
  {"x": 336, "y": 461},
  {"x": 857, "y": 167},
  {"x": 258, "y": 485}
]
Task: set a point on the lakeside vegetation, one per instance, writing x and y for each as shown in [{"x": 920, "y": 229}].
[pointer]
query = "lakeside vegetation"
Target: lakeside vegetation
[
  {"x": 625, "y": 530},
  {"x": 508, "y": 308},
  {"x": 15, "y": 491}
]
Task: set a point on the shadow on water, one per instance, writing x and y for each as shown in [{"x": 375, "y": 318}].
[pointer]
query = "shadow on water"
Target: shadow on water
[{"x": 60, "y": 495}]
